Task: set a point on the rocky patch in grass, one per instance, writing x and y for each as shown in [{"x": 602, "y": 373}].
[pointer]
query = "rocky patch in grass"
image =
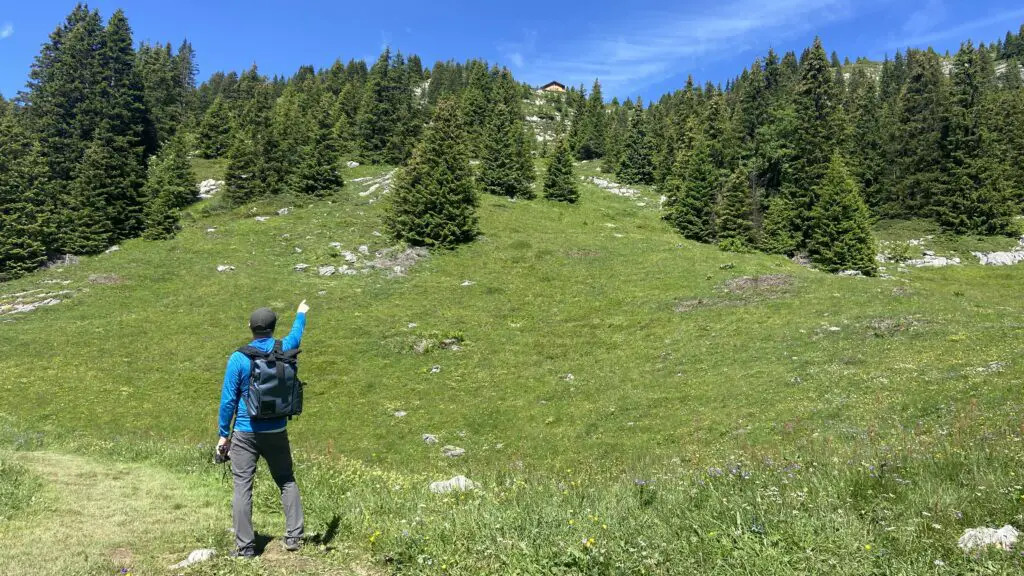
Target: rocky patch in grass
[
  {"x": 435, "y": 341},
  {"x": 888, "y": 327},
  {"x": 1014, "y": 256},
  {"x": 30, "y": 300},
  {"x": 766, "y": 283}
]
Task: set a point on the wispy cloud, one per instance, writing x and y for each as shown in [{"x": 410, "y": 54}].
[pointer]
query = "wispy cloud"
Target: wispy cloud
[
  {"x": 961, "y": 32},
  {"x": 651, "y": 47},
  {"x": 515, "y": 53},
  {"x": 925, "y": 19},
  {"x": 6, "y": 31}
]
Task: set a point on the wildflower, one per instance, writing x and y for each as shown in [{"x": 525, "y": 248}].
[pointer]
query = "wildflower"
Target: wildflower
[
  {"x": 571, "y": 522},
  {"x": 867, "y": 547}
]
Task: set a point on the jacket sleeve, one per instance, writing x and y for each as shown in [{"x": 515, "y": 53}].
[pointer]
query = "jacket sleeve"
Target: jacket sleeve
[
  {"x": 230, "y": 394},
  {"x": 294, "y": 338}
]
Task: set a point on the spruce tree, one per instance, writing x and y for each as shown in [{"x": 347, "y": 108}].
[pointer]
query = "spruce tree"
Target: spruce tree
[
  {"x": 23, "y": 173},
  {"x": 560, "y": 179},
  {"x": 170, "y": 187},
  {"x": 87, "y": 227},
  {"x": 777, "y": 229},
  {"x": 734, "y": 223},
  {"x": 375, "y": 120},
  {"x": 506, "y": 163},
  {"x": 434, "y": 199},
  {"x": 637, "y": 164},
  {"x": 819, "y": 131},
  {"x": 618, "y": 126},
  {"x": 474, "y": 107},
  {"x": 318, "y": 172},
  {"x": 591, "y": 127},
  {"x": 214, "y": 136},
  {"x": 691, "y": 190},
  {"x": 922, "y": 119},
  {"x": 841, "y": 224}
]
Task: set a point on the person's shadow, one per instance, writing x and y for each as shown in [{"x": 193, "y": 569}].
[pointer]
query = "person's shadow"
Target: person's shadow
[
  {"x": 329, "y": 533},
  {"x": 260, "y": 542}
]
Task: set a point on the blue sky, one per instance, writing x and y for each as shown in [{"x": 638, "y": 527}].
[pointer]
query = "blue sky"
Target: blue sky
[{"x": 644, "y": 47}]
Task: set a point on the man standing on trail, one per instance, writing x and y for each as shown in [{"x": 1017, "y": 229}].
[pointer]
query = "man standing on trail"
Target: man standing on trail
[{"x": 258, "y": 436}]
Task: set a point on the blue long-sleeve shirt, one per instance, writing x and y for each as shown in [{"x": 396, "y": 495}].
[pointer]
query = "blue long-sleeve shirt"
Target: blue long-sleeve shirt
[{"x": 236, "y": 385}]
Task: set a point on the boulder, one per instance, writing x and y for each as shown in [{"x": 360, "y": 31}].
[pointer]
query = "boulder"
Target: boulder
[
  {"x": 195, "y": 557},
  {"x": 349, "y": 257},
  {"x": 283, "y": 212},
  {"x": 364, "y": 249},
  {"x": 262, "y": 218},
  {"x": 209, "y": 187},
  {"x": 453, "y": 451},
  {"x": 456, "y": 484},
  {"x": 326, "y": 270},
  {"x": 352, "y": 164},
  {"x": 1000, "y": 258},
  {"x": 225, "y": 268},
  {"x": 977, "y": 538},
  {"x": 430, "y": 439},
  {"x": 301, "y": 267}
]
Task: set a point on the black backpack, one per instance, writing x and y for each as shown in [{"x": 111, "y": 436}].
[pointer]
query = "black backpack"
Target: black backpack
[{"x": 275, "y": 390}]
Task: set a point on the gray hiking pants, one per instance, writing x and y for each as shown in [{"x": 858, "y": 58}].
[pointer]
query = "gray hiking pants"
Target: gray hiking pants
[{"x": 246, "y": 449}]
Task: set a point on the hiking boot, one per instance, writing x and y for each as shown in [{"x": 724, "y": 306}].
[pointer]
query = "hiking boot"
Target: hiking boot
[
  {"x": 247, "y": 553},
  {"x": 292, "y": 544}
]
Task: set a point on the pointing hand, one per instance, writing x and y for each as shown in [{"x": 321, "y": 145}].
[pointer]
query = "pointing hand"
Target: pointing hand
[{"x": 303, "y": 307}]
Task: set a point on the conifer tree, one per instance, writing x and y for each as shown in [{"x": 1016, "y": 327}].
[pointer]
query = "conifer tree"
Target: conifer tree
[
  {"x": 734, "y": 213},
  {"x": 819, "y": 131},
  {"x": 841, "y": 236},
  {"x": 777, "y": 233},
  {"x": 87, "y": 227},
  {"x": 616, "y": 136},
  {"x": 474, "y": 107},
  {"x": 506, "y": 164},
  {"x": 590, "y": 126},
  {"x": 637, "y": 164},
  {"x": 170, "y": 187},
  {"x": 214, "y": 135},
  {"x": 434, "y": 199},
  {"x": 922, "y": 118},
  {"x": 318, "y": 173},
  {"x": 691, "y": 190},
  {"x": 375, "y": 121},
  {"x": 560, "y": 179},
  {"x": 23, "y": 232}
]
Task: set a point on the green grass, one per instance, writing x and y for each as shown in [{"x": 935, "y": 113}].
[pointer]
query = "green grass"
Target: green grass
[
  {"x": 209, "y": 169},
  {"x": 868, "y": 448},
  {"x": 940, "y": 243}
]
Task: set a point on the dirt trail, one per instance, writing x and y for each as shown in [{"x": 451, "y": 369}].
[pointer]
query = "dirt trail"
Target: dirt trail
[{"x": 97, "y": 517}]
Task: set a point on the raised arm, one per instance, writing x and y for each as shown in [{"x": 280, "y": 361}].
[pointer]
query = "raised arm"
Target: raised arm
[{"x": 294, "y": 338}]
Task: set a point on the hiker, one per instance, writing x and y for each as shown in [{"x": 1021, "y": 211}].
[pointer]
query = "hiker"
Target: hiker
[{"x": 260, "y": 426}]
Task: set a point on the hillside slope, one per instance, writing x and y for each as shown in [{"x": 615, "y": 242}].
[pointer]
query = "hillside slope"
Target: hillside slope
[{"x": 592, "y": 347}]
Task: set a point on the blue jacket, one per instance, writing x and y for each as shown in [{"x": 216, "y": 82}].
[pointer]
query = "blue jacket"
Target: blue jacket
[{"x": 236, "y": 385}]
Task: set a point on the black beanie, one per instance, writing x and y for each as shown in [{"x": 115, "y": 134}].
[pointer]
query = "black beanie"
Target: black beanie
[{"x": 262, "y": 322}]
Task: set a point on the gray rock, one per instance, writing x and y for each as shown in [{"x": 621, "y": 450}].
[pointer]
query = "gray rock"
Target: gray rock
[
  {"x": 262, "y": 218},
  {"x": 400, "y": 413},
  {"x": 375, "y": 233},
  {"x": 350, "y": 257},
  {"x": 326, "y": 270},
  {"x": 977, "y": 538},
  {"x": 335, "y": 244},
  {"x": 352, "y": 164},
  {"x": 283, "y": 212},
  {"x": 298, "y": 250},
  {"x": 456, "y": 484},
  {"x": 225, "y": 268},
  {"x": 933, "y": 262},
  {"x": 435, "y": 369},
  {"x": 195, "y": 557},
  {"x": 209, "y": 187},
  {"x": 453, "y": 451},
  {"x": 364, "y": 249},
  {"x": 114, "y": 248},
  {"x": 430, "y": 439},
  {"x": 851, "y": 273},
  {"x": 301, "y": 267},
  {"x": 211, "y": 230},
  {"x": 468, "y": 283}
]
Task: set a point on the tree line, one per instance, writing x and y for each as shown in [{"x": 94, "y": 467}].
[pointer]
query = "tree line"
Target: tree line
[
  {"x": 794, "y": 155},
  {"x": 799, "y": 155}
]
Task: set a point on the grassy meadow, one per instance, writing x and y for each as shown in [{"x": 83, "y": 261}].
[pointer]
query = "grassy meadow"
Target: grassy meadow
[{"x": 630, "y": 402}]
